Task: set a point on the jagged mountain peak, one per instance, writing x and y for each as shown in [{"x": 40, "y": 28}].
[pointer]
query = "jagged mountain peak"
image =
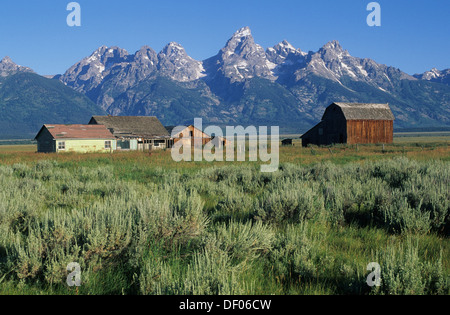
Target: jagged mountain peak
[
  {"x": 284, "y": 52},
  {"x": 146, "y": 54},
  {"x": 145, "y": 48},
  {"x": 333, "y": 50},
  {"x": 285, "y": 45},
  {"x": 109, "y": 50},
  {"x": 6, "y": 60},
  {"x": 173, "y": 48},
  {"x": 241, "y": 42},
  {"x": 106, "y": 56},
  {"x": 243, "y": 32},
  {"x": 435, "y": 75},
  {"x": 432, "y": 74},
  {"x": 333, "y": 62},
  {"x": 334, "y": 44},
  {"x": 9, "y": 67},
  {"x": 240, "y": 59},
  {"x": 283, "y": 48},
  {"x": 176, "y": 64},
  {"x": 174, "y": 45}
]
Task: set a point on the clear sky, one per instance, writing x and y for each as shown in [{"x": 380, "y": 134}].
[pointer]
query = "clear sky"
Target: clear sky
[{"x": 414, "y": 34}]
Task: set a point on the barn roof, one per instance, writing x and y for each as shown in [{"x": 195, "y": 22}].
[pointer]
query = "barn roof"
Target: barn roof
[
  {"x": 306, "y": 134},
  {"x": 365, "y": 111},
  {"x": 77, "y": 132},
  {"x": 132, "y": 126}
]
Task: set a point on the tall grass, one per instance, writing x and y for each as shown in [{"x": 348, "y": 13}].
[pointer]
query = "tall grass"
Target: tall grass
[{"x": 225, "y": 230}]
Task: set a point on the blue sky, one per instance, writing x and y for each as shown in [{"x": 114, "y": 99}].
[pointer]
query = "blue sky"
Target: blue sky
[{"x": 414, "y": 35}]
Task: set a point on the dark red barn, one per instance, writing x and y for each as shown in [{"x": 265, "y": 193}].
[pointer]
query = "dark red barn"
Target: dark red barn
[{"x": 353, "y": 123}]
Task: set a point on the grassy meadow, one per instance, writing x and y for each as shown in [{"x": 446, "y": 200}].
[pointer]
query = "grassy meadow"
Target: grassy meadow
[{"x": 144, "y": 224}]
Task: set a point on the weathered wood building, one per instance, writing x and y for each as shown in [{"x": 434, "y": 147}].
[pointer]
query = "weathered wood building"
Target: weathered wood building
[
  {"x": 353, "y": 123},
  {"x": 136, "y": 133},
  {"x": 287, "y": 142},
  {"x": 75, "y": 138},
  {"x": 190, "y": 135}
]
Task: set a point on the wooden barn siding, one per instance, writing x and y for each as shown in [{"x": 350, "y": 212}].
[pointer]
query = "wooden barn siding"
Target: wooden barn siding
[
  {"x": 46, "y": 143},
  {"x": 370, "y": 131},
  {"x": 335, "y": 129},
  {"x": 188, "y": 140}
]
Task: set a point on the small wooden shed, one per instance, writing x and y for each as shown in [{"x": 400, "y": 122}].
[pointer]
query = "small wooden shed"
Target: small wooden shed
[
  {"x": 353, "y": 123},
  {"x": 189, "y": 135},
  {"x": 75, "y": 138},
  {"x": 286, "y": 142}
]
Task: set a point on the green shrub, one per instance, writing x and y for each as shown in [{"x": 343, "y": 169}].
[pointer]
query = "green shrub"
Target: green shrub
[
  {"x": 233, "y": 203},
  {"x": 403, "y": 272},
  {"x": 292, "y": 255},
  {"x": 290, "y": 203},
  {"x": 242, "y": 242},
  {"x": 211, "y": 273}
]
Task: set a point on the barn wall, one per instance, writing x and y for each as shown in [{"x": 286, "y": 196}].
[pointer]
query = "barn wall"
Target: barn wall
[
  {"x": 370, "y": 131},
  {"x": 334, "y": 126},
  {"x": 186, "y": 139},
  {"x": 312, "y": 136},
  {"x": 45, "y": 142}
]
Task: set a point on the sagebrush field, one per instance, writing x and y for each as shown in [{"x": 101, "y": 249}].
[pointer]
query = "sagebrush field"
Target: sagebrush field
[{"x": 143, "y": 224}]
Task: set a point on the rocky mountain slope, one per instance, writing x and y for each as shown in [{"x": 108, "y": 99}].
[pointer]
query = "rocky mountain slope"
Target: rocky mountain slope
[
  {"x": 27, "y": 101},
  {"x": 8, "y": 67},
  {"x": 434, "y": 75}
]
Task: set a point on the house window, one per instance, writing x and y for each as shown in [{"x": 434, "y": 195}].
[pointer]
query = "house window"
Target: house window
[
  {"x": 61, "y": 145},
  {"x": 158, "y": 143},
  {"x": 320, "y": 131},
  {"x": 191, "y": 134},
  {"x": 123, "y": 144},
  {"x": 108, "y": 145}
]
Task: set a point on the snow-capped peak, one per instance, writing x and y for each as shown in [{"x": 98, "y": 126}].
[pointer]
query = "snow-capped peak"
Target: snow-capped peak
[
  {"x": 6, "y": 60},
  {"x": 333, "y": 45},
  {"x": 175, "y": 45},
  {"x": 436, "y": 72},
  {"x": 432, "y": 74},
  {"x": 286, "y": 45},
  {"x": 175, "y": 63},
  {"x": 285, "y": 48},
  {"x": 240, "y": 59},
  {"x": 243, "y": 32},
  {"x": 285, "y": 54}
]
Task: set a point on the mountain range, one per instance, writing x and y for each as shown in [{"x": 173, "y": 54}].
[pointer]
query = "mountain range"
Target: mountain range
[
  {"x": 243, "y": 84},
  {"x": 28, "y": 100}
]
